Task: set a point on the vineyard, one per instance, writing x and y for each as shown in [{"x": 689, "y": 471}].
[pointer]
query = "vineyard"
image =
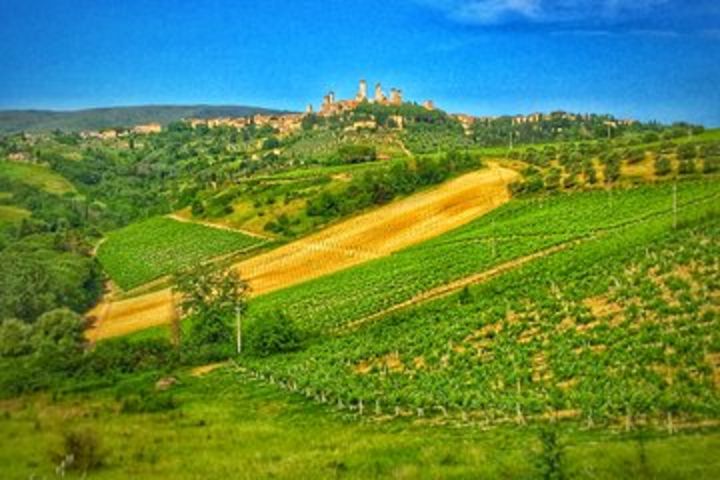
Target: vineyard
[
  {"x": 160, "y": 246},
  {"x": 622, "y": 329},
  {"x": 516, "y": 229}
]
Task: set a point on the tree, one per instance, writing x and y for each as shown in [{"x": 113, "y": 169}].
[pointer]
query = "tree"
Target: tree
[
  {"x": 211, "y": 298},
  {"x": 465, "y": 297},
  {"x": 612, "y": 171},
  {"x": 662, "y": 166},
  {"x": 271, "y": 143},
  {"x": 58, "y": 338},
  {"x": 197, "y": 208}
]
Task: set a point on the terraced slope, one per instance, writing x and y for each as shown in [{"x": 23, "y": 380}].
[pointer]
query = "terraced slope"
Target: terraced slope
[{"x": 373, "y": 235}]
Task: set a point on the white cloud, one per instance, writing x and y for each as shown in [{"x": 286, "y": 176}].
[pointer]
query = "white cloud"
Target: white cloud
[{"x": 491, "y": 12}]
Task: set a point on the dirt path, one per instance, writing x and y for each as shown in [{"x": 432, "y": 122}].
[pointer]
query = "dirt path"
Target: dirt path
[
  {"x": 365, "y": 237},
  {"x": 452, "y": 287},
  {"x": 219, "y": 226}
]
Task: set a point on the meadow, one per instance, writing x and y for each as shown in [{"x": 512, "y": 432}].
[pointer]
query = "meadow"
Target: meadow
[
  {"x": 150, "y": 249},
  {"x": 221, "y": 426}
]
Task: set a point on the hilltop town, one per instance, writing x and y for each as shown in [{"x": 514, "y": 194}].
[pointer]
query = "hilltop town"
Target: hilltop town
[{"x": 286, "y": 124}]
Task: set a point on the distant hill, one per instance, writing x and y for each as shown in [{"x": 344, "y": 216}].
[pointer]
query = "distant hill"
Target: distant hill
[{"x": 12, "y": 121}]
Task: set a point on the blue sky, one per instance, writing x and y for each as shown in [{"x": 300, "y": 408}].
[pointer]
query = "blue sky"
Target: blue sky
[{"x": 647, "y": 59}]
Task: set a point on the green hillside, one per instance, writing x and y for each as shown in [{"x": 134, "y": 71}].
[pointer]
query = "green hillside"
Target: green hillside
[
  {"x": 619, "y": 329},
  {"x": 571, "y": 330},
  {"x": 36, "y": 176},
  {"x": 12, "y": 121}
]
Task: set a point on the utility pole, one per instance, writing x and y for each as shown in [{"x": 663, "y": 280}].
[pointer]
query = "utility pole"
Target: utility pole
[{"x": 511, "y": 140}]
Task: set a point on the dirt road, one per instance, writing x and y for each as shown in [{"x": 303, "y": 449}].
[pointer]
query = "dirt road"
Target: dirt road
[{"x": 368, "y": 236}]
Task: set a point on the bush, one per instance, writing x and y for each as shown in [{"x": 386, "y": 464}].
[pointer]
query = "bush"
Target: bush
[
  {"x": 711, "y": 164},
  {"x": 149, "y": 403},
  {"x": 550, "y": 462},
  {"x": 121, "y": 355},
  {"x": 662, "y": 166},
  {"x": 465, "y": 297},
  {"x": 271, "y": 334},
  {"x": 81, "y": 451},
  {"x": 687, "y": 167},
  {"x": 14, "y": 338},
  {"x": 211, "y": 338},
  {"x": 357, "y": 153}
]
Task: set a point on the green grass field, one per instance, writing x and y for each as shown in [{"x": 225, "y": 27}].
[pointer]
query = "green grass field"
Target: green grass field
[
  {"x": 144, "y": 251},
  {"x": 36, "y": 176},
  {"x": 228, "y": 428}
]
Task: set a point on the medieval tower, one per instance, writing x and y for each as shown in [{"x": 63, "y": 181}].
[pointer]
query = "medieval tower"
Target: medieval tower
[{"x": 362, "y": 91}]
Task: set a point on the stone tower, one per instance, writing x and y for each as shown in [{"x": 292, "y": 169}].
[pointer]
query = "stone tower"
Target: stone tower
[
  {"x": 379, "y": 95},
  {"x": 362, "y": 91},
  {"x": 395, "y": 96}
]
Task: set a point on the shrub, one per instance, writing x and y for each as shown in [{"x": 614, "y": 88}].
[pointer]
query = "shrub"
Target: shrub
[
  {"x": 81, "y": 451},
  {"x": 274, "y": 333},
  {"x": 711, "y": 164},
  {"x": 121, "y": 355},
  {"x": 551, "y": 456},
  {"x": 149, "y": 403},
  {"x": 14, "y": 338},
  {"x": 687, "y": 167},
  {"x": 356, "y": 153},
  {"x": 465, "y": 297},
  {"x": 662, "y": 166}
]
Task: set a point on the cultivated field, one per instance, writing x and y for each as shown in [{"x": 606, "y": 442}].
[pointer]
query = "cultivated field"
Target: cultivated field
[
  {"x": 144, "y": 251},
  {"x": 619, "y": 329},
  {"x": 369, "y": 236}
]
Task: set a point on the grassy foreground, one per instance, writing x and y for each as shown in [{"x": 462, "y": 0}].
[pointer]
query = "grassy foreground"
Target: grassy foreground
[{"x": 224, "y": 428}]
